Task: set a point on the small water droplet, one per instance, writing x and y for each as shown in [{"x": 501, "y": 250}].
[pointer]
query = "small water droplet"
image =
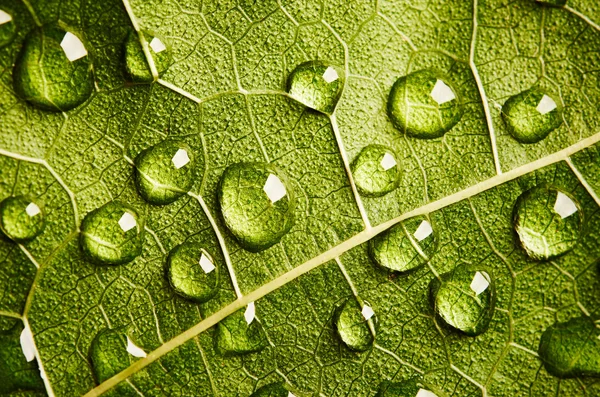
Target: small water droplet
[
  {"x": 464, "y": 299},
  {"x": 317, "y": 85},
  {"x": 531, "y": 115},
  {"x": 548, "y": 222},
  {"x": 405, "y": 246},
  {"x": 234, "y": 336},
  {"x": 53, "y": 71},
  {"x": 277, "y": 389},
  {"x": 376, "y": 171},
  {"x": 412, "y": 387},
  {"x": 164, "y": 172},
  {"x": 136, "y": 65},
  {"x": 111, "y": 234},
  {"x": 351, "y": 326},
  {"x": 257, "y": 204},
  {"x": 21, "y": 218},
  {"x": 192, "y": 273},
  {"x": 110, "y": 354},
  {"x": 571, "y": 349},
  {"x": 424, "y": 104},
  {"x": 8, "y": 27}
]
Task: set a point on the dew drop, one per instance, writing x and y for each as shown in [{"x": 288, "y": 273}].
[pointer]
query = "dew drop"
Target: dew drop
[
  {"x": 53, "y": 71},
  {"x": 464, "y": 299},
  {"x": 235, "y": 336},
  {"x": 351, "y": 326},
  {"x": 111, "y": 234},
  {"x": 21, "y": 218},
  {"x": 277, "y": 389},
  {"x": 257, "y": 204},
  {"x": 110, "y": 354},
  {"x": 424, "y": 105},
  {"x": 136, "y": 65},
  {"x": 317, "y": 85},
  {"x": 406, "y": 246},
  {"x": 376, "y": 171},
  {"x": 571, "y": 349},
  {"x": 413, "y": 387},
  {"x": 548, "y": 222},
  {"x": 531, "y": 115},
  {"x": 164, "y": 172},
  {"x": 8, "y": 28},
  {"x": 192, "y": 273}
]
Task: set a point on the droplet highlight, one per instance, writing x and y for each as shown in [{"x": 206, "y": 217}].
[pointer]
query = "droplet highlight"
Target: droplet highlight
[
  {"x": 111, "y": 234},
  {"x": 53, "y": 70},
  {"x": 21, "y": 218},
  {"x": 257, "y": 204},
  {"x": 424, "y": 104},
  {"x": 235, "y": 336},
  {"x": 136, "y": 64},
  {"x": 405, "y": 246},
  {"x": 548, "y": 222},
  {"x": 317, "y": 85},
  {"x": 164, "y": 172},
  {"x": 531, "y": 115},
  {"x": 192, "y": 273},
  {"x": 8, "y": 27},
  {"x": 376, "y": 171},
  {"x": 351, "y": 326}
]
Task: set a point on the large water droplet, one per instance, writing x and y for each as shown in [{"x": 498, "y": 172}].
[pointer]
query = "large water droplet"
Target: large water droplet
[
  {"x": 548, "y": 222},
  {"x": 352, "y": 327},
  {"x": 235, "y": 335},
  {"x": 376, "y": 171},
  {"x": 317, "y": 85},
  {"x": 531, "y": 115},
  {"x": 136, "y": 65},
  {"x": 277, "y": 389},
  {"x": 21, "y": 218},
  {"x": 164, "y": 172},
  {"x": 53, "y": 71},
  {"x": 424, "y": 104},
  {"x": 8, "y": 28},
  {"x": 413, "y": 387},
  {"x": 257, "y": 204},
  {"x": 192, "y": 272},
  {"x": 464, "y": 299},
  {"x": 406, "y": 246},
  {"x": 17, "y": 372},
  {"x": 571, "y": 349},
  {"x": 110, "y": 354},
  {"x": 111, "y": 234}
]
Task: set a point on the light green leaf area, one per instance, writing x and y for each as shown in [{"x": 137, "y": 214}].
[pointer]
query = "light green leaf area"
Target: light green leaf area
[{"x": 223, "y": 96}]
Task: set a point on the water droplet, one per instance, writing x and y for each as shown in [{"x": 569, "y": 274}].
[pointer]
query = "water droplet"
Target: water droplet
[
  {"x": 552, "y": 3},
  {"x": 413, "y": 387},
  {"x": 111, "y": 234},
  {"x": 110, "y": 354},
  {"x": 317, "y": 85},
  {"x": 19, "y": 370},
  {"x": 548, "y": 222},
  {"x": 192, "y": 273},
  {"x": 277, "y": 389},
  {"x": 424, "y": 105},
  {"x": 464, "y": 299},
  {"x": 571, "y": 349},
  {"x": 376, "y": 171},
  {"x": 406, "y": 246},
  {"x": 351, "y": 326},
  {"x": 257, "y": 204},
  {"x": 21, "y": 218},
  {"x": 531, "y": 115},
  {"x": 136, "y": 65},
  {"x": 164, "y": 172},
  {"x": 8, "y": 28},
  {"x": 234, "y": 336},
  {"x": 53, "y": 71}
]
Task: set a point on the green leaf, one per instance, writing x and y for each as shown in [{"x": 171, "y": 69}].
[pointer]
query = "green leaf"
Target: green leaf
[{"x": 334, "y": 245}]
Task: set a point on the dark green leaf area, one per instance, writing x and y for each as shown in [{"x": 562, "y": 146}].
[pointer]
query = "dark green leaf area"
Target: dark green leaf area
[
  {"x": 376, "y": 171},
  {"x": 553, "y": 3},
  {"x": 413, "y": 387},
  {"x": 44, "y": 76},
  {"x": 111, "y": 234},
  {"x": 548, "y": 222},
  {"x": 424, "y": 105},
  {"x": 187, "y": 276},
  {"x": 272, "y": 390},
  {"x": 257, "y": 204},
  {"x": 234, "y": 336},
  {"x": 406, "y": 246},
  {"x": 21, "y": 218},
  {"x": 531, "y": 115},
  {"x": 15, "y": 372},
  {"x": 464, "y": 298},
  {"x": 571, "y": 349},
  {"x": 317, "y": 85},
  {"x": 351, "y": 326},
  {"x": 164, "y": 172},
  {"x": 136, "y": 65}
]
